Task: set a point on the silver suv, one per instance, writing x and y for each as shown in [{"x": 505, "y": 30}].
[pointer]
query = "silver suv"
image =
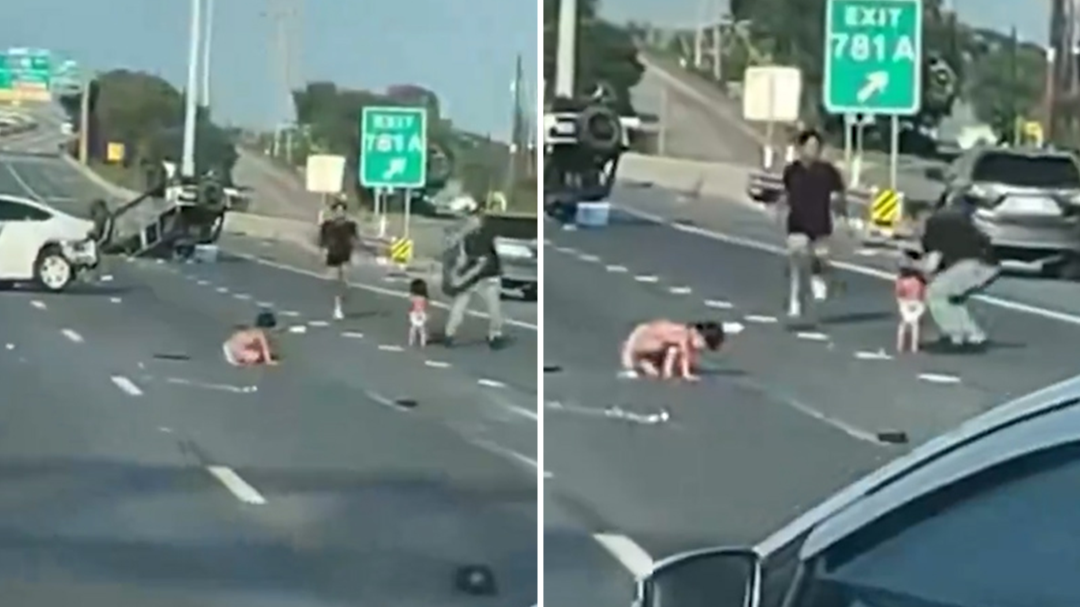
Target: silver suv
[{"x": 1026, "y": 200}]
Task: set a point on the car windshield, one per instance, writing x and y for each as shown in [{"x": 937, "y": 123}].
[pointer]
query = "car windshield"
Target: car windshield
[{"x": 1057, "y": 172}]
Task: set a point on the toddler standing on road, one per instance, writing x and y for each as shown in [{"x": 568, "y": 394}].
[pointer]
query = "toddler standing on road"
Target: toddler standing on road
[
  {"x": 418, "y": 305},
  {"x": 911, "y": 301}
]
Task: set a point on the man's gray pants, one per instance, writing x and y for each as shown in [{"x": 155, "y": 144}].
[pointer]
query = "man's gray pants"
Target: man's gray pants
[
  {"x": 946, "y": 297},
  {"x": 490, "y": 290}
]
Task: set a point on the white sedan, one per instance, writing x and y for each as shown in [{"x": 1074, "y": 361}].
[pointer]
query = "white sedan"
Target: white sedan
[{"x": 41, "y": 244}]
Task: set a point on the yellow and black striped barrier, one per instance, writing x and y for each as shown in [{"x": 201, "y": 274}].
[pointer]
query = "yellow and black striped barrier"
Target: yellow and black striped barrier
[
  {"x": 401, "y": 250},
  {"x": 886, "y": 209}
]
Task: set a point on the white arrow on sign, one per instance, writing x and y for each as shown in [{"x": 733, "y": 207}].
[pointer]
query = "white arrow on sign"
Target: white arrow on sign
[{"x": 875, "y": 83}]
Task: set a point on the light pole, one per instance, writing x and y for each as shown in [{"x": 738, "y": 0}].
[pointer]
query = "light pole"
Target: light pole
[{"x": 187, "y": 164}]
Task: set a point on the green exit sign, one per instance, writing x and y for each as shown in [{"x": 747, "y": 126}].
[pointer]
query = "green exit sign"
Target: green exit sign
[{"x": 873, "y": 56}]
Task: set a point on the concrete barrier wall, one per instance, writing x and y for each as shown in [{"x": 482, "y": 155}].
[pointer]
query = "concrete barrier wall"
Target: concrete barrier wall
[{"x": 687, "y": 176}]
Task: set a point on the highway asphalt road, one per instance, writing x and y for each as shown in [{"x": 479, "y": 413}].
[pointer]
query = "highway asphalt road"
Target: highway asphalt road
[
  {"x": 140, "y": 469},
  {"x": 783, "y": 417}
]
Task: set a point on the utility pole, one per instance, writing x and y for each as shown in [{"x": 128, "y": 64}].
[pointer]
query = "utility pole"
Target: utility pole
[
  {"x": 285, "y": 17},
  {"x": 1013, "y": 76},
  {"x": 566, "y": 52},
  {"x": 84, "y": 121},
  {"x": 516, "y": 131},
  {"x": 207, "y": 42},
  {"x": 191, "y": 98}
]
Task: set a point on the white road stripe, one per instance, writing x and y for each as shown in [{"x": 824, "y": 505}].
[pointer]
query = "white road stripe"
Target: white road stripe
[
  {"x": 719, "y": 304},
  {"x": 390, "y": 348},
  {"x": 491, "y": 383},
  {"x": 617, "y": 269},
  {"x": 236, "y": 485},
  {"x": 438, "y": 364},
  {"x": 298, "y": 329},
  {"x": 508, "y": 453},
  {"x": 126, "y": 385},
  {"x": 647, "y": 278},
  {"x": 939, "y": 378},
  {"x": 879, "y": 355},
  {"x": 627, "y": 552},
  {"x": 589, "y": 258},
  {"x": 812, "y": 336},
  {"x": 115, "y": 299},
  {"x": 352, "y": 335},
  {"x": 680, "y": 290},
  {"x": 222, "y": 289},
  {"x": 319, "y": 323},
  {"x": 764, "y": 320},
  {"x": 40, "y": 305},
  {"x": 242, "y": 296},
  {"x": 203, "y": 283},
  {"x": 72, "y": 335}
]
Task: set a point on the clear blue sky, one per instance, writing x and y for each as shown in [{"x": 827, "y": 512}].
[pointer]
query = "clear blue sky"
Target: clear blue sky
[
  {"x": 462, "y": 49},
  {"x": 1031, "y": 17}
]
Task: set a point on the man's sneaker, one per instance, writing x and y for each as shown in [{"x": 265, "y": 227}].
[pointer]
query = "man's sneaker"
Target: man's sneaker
[
  {"x": 447, "y": 341},
  {"x": 339, "y": 314},
  {"x": 497, "y": 342},
  {"x": 819, "y": 287}
]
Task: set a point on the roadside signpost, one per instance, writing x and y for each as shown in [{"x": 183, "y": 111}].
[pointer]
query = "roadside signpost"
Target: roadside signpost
[
  {"x": 393, "y": 153},
  {"x": 873, "y": 62}
]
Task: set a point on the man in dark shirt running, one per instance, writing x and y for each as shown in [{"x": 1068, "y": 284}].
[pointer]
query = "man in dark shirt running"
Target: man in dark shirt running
[
  {"x": 813, "y": 188},
  {"x": 958, "y": 261},
  {"x": 338, "y": 237}
]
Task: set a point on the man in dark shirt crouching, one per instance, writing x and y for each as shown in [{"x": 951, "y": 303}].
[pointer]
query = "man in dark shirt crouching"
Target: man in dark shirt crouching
[{"x": 959, "y": 262}]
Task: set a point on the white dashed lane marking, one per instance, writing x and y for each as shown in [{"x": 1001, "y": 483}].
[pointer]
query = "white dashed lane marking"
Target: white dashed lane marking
[
  {"x": 589, "y": 258},
  {"x": 352, "y": 335},
  {"x": 115, "y": 299},
  {"x": 438, "y": 364},
  {"x": 719, "y": 304},
  {"x": 222, "y": 289},
  {"x": 491, "y": 383},
  {"x": 72, "y": 335},
  {"x": 812, "y": 336},
  {"x": 126, "y": 385},
  {"x": 879, "y": 355},
  {"x": 203, "y": 283},
  {"x": 617, "y": 269},
  {"x": 939, "y": 378},
  {"x": 298, "y": 329},
  {"x": 761, "y": 320},
  {"x": 319, "y": 323},
  {"x": 647, "y": 278},
  {"x": 680, "y": 290},
  {"x": 236, "y": 485},
  {"x": 242, "y": 296},
  {"x": 390, "y": 348},
  {"x": 40, "y": 305},
  {"x": 289, "y": 313}
]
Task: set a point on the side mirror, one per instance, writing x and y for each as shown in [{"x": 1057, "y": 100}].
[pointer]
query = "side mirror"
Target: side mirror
[
  {"x": 935, "y": 173},
  {"x": 713, "y": 577}
]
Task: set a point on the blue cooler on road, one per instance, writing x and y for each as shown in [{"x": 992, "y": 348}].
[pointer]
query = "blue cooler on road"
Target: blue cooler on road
[{"x": 593, "y": 214}]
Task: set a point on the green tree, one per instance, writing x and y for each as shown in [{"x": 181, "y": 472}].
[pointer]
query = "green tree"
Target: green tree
[
  {"x": 145, "y": 113},
  {"x": 605, "y": 52},
  {"x": 1006, "y": 81}
]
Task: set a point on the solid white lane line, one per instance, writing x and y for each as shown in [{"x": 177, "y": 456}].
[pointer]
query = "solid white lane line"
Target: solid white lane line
[
  {"x": 72, "y": 335},
  {"x": 126, "y": 385},
  {"x": 1007, "y": 304},
  {"x": 236, "y": 485},
  {"x": 627, "y": 552},
  {"x": 373, "y": 289},
  {"x": 498, "y": 449}
]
